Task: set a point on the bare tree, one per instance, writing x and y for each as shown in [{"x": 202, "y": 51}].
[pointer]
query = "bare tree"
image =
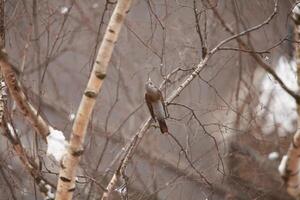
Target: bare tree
[{"x": 211, "y": 60}]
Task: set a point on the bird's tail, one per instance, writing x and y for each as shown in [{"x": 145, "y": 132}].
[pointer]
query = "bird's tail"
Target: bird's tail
[{"x": 163, "y": 126}]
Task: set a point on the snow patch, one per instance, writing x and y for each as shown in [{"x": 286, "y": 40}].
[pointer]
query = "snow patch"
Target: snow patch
[
  {"x": 122, "y": 190},
  {"x": 273, "y": 155},
  {"x": 57, "y": 145},
  {"x": 282, "y": 165},
  {"x": 296, "y": 9},
  {"x": 50, "y": 195},
  {"x": 11, "y": 130},
  {"x": 64, "y": 10},
  {"x": 267, "y": 58},
  {"x": 72, "y": 117},
  {"x": 277, "y": 107},
  {"x": 14, "y": 106}
]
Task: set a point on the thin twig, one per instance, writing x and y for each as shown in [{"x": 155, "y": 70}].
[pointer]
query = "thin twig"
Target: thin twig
[{"x": 189, "y": 160}]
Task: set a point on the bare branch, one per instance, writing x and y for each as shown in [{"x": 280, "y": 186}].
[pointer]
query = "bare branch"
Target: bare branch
[
  {"x": 238, "y": 35},
  {"x": 133, "y": 143},
  {"x": 264, "y": 65},
  {"x": 20, "y": 98},
  {"x": 135, "y": 140},
  {"x": 44, "y": 185}
]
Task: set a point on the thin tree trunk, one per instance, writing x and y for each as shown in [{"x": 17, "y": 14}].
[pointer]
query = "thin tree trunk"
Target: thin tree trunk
[
  {"x": 290, "y": 162},
  {"x": 2, "y": 45},
  {"x": 66, "y": 182}
]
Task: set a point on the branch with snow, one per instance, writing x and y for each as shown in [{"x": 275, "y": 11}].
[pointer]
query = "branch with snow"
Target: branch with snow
[
  {"x": 57, "y": 144},
  {"x": 45, "y": 186},
  {"x": 18, "y": 95}
]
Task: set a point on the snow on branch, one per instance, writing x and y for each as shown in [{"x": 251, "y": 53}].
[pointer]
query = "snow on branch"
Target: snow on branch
[
  {"x": 11, "y": 130},
  {"x": 20, "y": 98},
  {"x": 282, "y": 165}
]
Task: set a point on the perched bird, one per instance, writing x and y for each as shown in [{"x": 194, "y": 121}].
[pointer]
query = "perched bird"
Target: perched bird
[{"x": 156, "y": 105}]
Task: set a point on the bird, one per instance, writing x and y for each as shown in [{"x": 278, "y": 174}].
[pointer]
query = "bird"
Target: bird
[{"x": 156, "y": 105}]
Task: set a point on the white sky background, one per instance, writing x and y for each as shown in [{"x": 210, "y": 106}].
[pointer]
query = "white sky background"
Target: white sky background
[{"x": 281, "y": 111}]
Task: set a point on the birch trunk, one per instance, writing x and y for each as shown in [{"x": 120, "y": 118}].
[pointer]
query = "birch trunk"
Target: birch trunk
[
  {"x": 66, "y": 182},
  {"x": 289, "y": 167}
]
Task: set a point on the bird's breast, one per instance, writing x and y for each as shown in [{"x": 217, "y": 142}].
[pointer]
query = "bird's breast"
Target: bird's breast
[{"x": 158, "y": 110}]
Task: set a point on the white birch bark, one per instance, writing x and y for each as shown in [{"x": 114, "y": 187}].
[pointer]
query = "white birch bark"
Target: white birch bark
[
  {"x": 66, "y": 182},
  {"x": 289, "y": 166}
]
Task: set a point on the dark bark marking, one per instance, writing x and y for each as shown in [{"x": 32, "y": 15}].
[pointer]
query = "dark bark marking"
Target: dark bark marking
[
  {"x": 64, "y": 179},
  {"x": 90, "y": 94},
  {"x": 100, "y": 75}
]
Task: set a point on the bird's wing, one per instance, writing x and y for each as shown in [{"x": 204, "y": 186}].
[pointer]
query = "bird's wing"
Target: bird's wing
[
  {"x": 163, "y": 103},
  {"x": 148, "y": 101}
]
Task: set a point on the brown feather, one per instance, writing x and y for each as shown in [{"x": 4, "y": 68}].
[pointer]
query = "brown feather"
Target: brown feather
[
  {"x": 148, "y": 101},
  {"x": 163, "y": 103},
  {"x": 163, "y": 126}
]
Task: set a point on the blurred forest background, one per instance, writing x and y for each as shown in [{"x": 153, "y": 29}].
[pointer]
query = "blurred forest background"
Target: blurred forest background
[{"x": 232, "y": 136}]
